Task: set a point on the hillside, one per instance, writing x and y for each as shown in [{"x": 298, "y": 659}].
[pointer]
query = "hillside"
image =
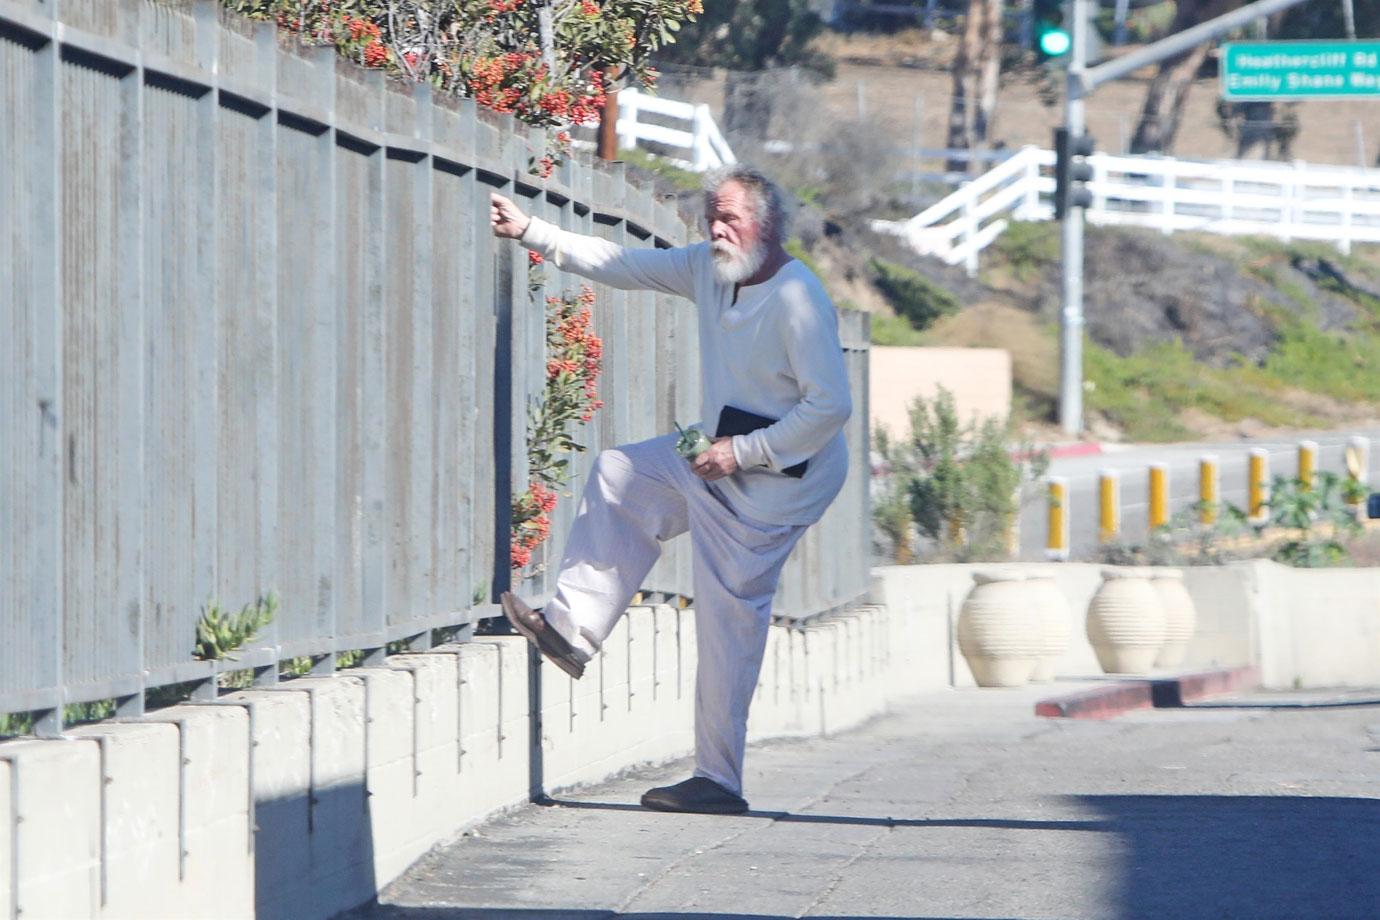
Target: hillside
[{"x": 1189, "y": 337}]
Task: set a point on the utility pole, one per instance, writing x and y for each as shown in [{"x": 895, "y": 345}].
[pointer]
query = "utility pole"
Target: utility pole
[{"x": 1071, "y": 313}]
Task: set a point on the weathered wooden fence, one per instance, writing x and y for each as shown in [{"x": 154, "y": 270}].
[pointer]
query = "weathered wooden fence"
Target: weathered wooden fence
[{"x": 258, "y": 339}]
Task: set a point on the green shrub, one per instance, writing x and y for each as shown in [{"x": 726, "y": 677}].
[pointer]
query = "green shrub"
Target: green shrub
[
  {"x": 1318, "y": 518},
  {"x": 1029, "y": 248},
  {"x": 1145, "y": 393},
  {"x": 912, "y": 295},
  {"x": 219, "y": 633},
  {"x": 22, "y": 723},
  {"x": 1343, "y": 366},
  {"x": 959, "y": 481},
  {"x": 894, "y": 330},
  {"x": 677, "y": 176}
]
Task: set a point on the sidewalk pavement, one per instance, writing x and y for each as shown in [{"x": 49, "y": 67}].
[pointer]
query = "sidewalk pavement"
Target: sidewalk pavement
[{"x": 963, "y": 804}]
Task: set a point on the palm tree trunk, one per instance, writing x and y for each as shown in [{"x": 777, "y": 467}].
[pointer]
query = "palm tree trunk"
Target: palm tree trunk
[
  {"x": 1163, "y": 108},
  {"x": 963, "y": 103},
  {"x": 990, "y": 73}
]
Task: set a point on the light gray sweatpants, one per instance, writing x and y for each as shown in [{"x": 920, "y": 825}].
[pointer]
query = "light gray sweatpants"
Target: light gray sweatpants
[{"x": 637, "y": 496}]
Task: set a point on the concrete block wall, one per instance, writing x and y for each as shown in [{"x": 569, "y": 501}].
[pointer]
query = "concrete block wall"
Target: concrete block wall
[
  {"x": 147, "y": 819},
  {"x": 302, "y": 800},
  {"x": 1301, "y": 627},
  {"x": 1316, "y": 627}
]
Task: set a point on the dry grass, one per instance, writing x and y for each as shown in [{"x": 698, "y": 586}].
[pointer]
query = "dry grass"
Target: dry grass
[{"x": 1365, "y": 550}]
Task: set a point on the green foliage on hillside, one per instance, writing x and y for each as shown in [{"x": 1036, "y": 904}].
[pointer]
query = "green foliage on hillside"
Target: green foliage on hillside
[
  {"x": 913, "y": 296},
  {"x": 1028, "y": 248},
  {"x": 894, "y": 330},
  {"x": 1146, "y": 394},
  {"x": 678, "y": 177}
]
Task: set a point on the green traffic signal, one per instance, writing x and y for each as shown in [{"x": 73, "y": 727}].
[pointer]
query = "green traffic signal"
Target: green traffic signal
[
  {"x": 1049, "y": 32},
  {"x": 1055, "y": 42}
]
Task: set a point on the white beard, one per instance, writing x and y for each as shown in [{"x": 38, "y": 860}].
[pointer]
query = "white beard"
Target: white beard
[{"x": 733, "y": 265}]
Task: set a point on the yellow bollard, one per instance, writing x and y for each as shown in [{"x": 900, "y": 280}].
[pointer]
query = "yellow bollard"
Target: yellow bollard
[
  {"x": 1108, "y": 506},
  {"x": 1159, "y": 495},
  {"x": 1209, "y": 489},
  {"x": 1258, "y": 486},
  {"x": 1057, "y": 544},
  {"x": 1358, "y": 472},
  {"x": 1308, "y": 463},
  {"x": 1012, "y": 531},
  {"x": 1357, "y": 457}
]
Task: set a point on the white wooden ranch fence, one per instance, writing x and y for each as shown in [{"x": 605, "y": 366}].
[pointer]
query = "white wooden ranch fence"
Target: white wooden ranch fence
[
  {"x": 1339, "y": 205},
  {"x": 704, "y": 146}
]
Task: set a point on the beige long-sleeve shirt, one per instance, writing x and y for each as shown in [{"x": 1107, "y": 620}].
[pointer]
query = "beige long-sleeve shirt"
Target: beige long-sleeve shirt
[{"x": 774, "y": 352}]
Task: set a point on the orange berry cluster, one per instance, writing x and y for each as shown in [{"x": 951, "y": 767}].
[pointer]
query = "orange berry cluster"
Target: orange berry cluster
[
  {"x": 572, "y": 392},
  {"x": 504, "y": 83},
  {"x": 534, "y": 506}
]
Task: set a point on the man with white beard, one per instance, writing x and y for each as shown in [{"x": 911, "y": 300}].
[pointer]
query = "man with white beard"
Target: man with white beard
[{"x": 775, "y": 398}]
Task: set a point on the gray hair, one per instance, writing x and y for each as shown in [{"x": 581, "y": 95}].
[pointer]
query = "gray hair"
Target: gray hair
[{"x": 769, "y": 204}]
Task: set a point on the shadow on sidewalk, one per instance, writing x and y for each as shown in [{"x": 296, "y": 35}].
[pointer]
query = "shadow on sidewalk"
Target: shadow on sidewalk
[
  {"x": 521, "y": 913},
  {"x": 1244, "y": 856},
  {"x": 1283, "y": 705},
  {"x": 1180, "y": 856},
  {"x": 787, "y": 817}
]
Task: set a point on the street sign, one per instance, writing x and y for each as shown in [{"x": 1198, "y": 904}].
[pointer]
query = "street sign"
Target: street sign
[{"x": 1300, "y": 70}]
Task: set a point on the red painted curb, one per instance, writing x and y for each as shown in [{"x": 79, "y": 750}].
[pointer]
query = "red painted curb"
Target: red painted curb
[
  {"x": 1113, "y": 699},
  {"x": 1082, "y": 449},
  {"x": 1060, "y": 451}
]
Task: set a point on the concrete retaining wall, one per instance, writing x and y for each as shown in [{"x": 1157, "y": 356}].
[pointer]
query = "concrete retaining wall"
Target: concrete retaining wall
[
  {"x": 1316, "y": 627},
  {"x": 347, "y": 780},
  {"x": 1301, "y": 627}
]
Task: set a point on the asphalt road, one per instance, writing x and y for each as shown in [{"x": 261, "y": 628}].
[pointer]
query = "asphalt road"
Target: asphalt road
[
  {"x": 1132, "y": 464},
  {"x": 963, "y": 804}
]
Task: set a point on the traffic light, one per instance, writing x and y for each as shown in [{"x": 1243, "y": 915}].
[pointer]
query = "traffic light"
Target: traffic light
[
  {"x": 1071, "y": 171},
  {"x": 1049, "y": 34}
]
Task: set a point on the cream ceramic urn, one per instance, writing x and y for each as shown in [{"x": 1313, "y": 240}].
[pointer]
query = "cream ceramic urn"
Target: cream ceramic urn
[
  {"x": 1180, "y": 617},
  {"x": 1126, "y": 621},
  {"x": 1055, "y": 617},
  {"x": 998, "y": 630}
]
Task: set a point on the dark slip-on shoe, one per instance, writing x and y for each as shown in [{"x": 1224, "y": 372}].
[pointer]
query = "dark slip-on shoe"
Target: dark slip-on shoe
[
  {"x": 697, "y": 795},
  {"x": 541, "y": 634}
]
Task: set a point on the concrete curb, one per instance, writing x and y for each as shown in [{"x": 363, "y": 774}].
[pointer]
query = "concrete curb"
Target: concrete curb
[{"x": 1113, "y": 699}]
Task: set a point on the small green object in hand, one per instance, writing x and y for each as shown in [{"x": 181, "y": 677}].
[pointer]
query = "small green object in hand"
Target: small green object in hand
[{"x": 692, "y": 443}]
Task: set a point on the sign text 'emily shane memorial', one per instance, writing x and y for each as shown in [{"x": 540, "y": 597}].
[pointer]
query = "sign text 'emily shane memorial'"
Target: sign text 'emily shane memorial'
[{"x": 1297, "y": 70}]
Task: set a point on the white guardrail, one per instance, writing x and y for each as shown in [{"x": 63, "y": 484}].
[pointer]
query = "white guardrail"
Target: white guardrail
[
  {"x": 1335, "y": 204},
  {"x": 704, "y": 145}
]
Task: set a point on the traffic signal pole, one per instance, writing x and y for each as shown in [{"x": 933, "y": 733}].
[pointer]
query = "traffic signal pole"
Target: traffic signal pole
[
  {"x": 1081, "y": 83},
  {"x": 1071, "y": 312}
]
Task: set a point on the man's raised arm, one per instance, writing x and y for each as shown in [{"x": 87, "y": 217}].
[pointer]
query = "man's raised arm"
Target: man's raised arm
[{"x": 670, "y": 271}]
